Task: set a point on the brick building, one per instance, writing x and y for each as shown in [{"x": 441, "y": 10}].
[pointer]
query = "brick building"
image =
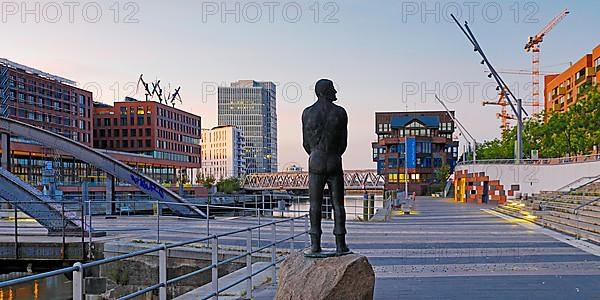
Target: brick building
[
  {"x": 420, "y": 141},
  {"x": 150, "y": 128},
  {"x": 48, "y": 101},
  {"x": 563, "y": 90}
]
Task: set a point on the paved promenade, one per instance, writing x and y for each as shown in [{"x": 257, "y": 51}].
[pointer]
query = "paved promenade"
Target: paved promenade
[{"x": 457, "y": 251}]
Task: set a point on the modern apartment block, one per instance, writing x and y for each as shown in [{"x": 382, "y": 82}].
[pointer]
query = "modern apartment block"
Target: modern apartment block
[
  {"x": 251, "y": 106},
  {"x": 149, "y": 128},
  {"x": 419, "y": 142},
  {"x": 223, "y": 152},
  {"x": 564, "y": 90},
  {"x": 45, "y": 100}
]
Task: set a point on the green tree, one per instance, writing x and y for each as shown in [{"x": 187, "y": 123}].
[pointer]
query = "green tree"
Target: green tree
[
  {"x": 228, "y": 185},
  {"x": 573, "y": 132},
  {"x": 206, "y": 181}
]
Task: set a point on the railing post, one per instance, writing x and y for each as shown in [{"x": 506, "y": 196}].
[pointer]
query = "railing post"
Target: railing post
[
  {"x": 157, "y": 221},
  {"x": 78, "y": 282},
  {"x": 215, "y": 268},
  {"x": 62, "y": 218},
  {"x": 249, "y": 264},
  {"x": 162, "y": 272},
  {"x": 273, "y": 253},
  {"x": 305, "y": 231},
  {"x": 16, "y": 233},
  {"x": 207, "y": 218},
  {"x": 292, "y": 234}
]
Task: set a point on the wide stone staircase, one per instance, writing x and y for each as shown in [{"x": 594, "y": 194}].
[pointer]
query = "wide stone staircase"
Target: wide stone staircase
[{"x": 575, "y": 213}]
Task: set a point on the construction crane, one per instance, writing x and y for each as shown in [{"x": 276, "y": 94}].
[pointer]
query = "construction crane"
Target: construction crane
[
  {"x": 503, "y": 114},
  {"x": 521, "y": 72},
  {"x": 533, "y": 46}
]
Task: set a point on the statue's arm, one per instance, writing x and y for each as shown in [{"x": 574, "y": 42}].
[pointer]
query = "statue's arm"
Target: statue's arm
[
  {"x": 344, "y": 144},
  {"x": 305, "y": 134}
]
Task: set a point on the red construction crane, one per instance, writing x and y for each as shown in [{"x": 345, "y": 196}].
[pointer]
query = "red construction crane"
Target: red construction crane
[
  {"x": 503, "y": 114},
  {"x": 533, "y": 46}
]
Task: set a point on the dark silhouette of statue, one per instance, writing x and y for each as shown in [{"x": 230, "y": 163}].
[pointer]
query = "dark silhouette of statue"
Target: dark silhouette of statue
[{"x": 325, "y": 135}]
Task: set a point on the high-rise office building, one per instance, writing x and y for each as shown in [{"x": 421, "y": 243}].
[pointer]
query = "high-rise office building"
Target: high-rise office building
[
  {"x": 250, "y": 106},
  {"x": 223, "y": 152}
]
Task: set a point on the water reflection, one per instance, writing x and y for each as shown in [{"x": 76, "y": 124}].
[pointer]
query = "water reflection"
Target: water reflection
[{"x": 56, "y": 287}]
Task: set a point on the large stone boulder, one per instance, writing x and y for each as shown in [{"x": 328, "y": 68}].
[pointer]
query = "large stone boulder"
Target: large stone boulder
[{"x": 343, "y": 277}]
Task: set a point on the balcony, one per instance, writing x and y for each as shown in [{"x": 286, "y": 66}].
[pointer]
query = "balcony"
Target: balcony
[
  {"x": 562, "y": 90},
  {"x": 590, "y": 72}
]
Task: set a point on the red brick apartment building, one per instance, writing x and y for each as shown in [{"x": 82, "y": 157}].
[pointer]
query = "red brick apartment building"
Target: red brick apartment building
[
  {"x": 563, "y": 90},
  {"x": 150, "y": 128},
  {"x": 47, "y": 101}
]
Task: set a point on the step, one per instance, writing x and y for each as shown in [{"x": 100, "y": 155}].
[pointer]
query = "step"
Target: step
[
  {"x": 573, "y": 223},
  {"x": 566, "y": 207},
  {"x": 571, "y": 231},
  {"x": 594, "y": 220},
  {"x": 575, "y": 199}
]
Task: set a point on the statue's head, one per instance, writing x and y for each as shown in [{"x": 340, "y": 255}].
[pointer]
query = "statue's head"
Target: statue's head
[{"x": 325, "y": 90}]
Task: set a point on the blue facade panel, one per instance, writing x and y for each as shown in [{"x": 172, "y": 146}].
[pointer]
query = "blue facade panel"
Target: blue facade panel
[{"x": 411, "y": 152}]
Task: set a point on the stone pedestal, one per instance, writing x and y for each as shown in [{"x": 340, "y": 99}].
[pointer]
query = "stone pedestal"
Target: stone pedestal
[{"x": 345, "y": 277}]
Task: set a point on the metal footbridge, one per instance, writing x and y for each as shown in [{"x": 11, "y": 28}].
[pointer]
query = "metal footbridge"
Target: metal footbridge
[
  {"x": 353, "y": 180},
  {"x": 101, "y": 161},
  {"x": 32, "y": 202}
]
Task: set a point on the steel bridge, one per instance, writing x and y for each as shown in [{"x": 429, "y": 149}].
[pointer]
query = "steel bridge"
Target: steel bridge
[{"x": 353, "y": 180}]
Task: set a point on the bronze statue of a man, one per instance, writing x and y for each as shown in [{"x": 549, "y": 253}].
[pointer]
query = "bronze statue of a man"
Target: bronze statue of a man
[{"x": 325, "y": 137}]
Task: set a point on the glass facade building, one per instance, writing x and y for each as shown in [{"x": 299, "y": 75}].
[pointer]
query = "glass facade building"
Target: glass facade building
[{"x": 251, "y": 106}]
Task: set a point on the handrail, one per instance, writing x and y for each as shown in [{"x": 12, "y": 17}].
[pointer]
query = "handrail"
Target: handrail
[
  {"x": 595, "y": 178},
  {"x": 78, "y": 267},
  {"x": 540, "y": 161},
  {"x": 579, "y": 207}
]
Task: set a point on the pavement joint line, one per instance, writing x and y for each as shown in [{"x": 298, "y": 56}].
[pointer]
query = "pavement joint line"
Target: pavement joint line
[{"x": 582, "y": 245}]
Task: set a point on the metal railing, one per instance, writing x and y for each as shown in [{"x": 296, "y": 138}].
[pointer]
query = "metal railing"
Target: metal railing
[
  {"x": 540, "y": 161},
  {"x": 69, "y": 211},
  {"x": 78, "y": 268},
  {"x": 577, "y": 210},
  {"x": 569, "y": 185}
]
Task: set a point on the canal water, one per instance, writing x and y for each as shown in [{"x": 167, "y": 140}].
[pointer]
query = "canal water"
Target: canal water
[{"x": 55, "y": 288}]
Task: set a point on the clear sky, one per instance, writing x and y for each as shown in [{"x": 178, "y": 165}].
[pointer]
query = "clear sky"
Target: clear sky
[{"x": 383, "y": 55}]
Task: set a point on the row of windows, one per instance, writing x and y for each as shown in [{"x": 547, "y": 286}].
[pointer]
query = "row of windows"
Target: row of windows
[
  {"x": 160, "y": 144},
  {"x": 50, "y": 90},
  {"x": 47, "y": 118},
  {"x": 49, "y": 104},
  {"x": 106, "y": 122},
  {"x": 165, "y": 123},
  {"x": 171, "y": 115},
  {"x": 119, "y": 144},
  {"x": 101, "y": 133}
]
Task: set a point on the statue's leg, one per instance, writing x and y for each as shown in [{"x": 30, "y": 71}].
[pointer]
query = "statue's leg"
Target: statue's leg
[
  {"x": 336, "y": 186},
  {"x": 316, "y": 184}
]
